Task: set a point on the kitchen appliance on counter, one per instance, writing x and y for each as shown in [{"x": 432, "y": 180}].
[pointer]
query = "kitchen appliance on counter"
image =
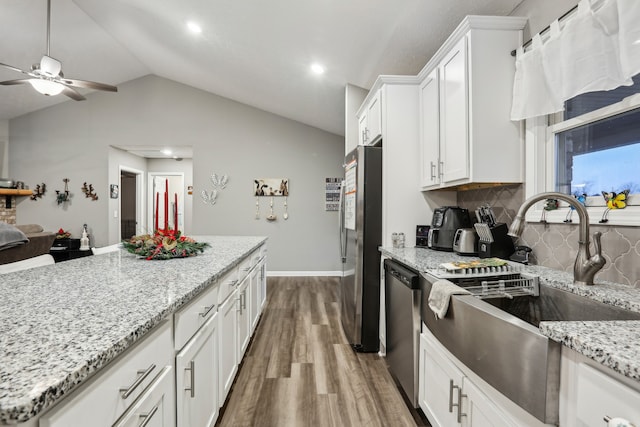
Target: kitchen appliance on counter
[
  {"x": 494, "y": 241},
  {"x": 402, "y": 314},
  {"x": 422, "y": 236},
  {"x": 465, "y": 241},
  {"x": 444, "y": 224},
  {"x": 360, "y": 237}
]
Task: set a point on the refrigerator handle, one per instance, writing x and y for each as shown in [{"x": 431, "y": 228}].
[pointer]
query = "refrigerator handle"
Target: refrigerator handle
[{"x": 343, "y": 233}]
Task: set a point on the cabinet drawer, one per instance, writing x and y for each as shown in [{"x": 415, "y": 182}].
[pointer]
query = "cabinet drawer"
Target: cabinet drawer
[
  {"x": 101, "y": 401},
  {"x": 190, "y": 318},
  {"x": 155, "y": 407},
  {"x": 599, "y": 395},
  {"x": 227, "y": 284}
]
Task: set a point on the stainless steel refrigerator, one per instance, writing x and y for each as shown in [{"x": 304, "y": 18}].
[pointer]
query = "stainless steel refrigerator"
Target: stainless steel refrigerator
[{"x": 360, "y": 237}]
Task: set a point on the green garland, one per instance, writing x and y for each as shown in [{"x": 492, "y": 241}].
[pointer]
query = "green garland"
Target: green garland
[{"x": 164, "y": 244}]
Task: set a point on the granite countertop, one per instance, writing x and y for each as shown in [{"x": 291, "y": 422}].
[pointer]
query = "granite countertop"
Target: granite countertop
[
  {"x": 615, "y": 344},
  {"x": 61, "y": 323}
]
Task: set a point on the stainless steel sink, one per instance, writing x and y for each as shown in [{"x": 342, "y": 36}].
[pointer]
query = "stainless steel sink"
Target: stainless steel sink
[{"x": 499, "y": 340}]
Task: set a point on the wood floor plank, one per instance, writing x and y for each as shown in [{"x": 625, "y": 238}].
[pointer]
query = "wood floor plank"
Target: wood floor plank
[{"x": 300, "y": 370}]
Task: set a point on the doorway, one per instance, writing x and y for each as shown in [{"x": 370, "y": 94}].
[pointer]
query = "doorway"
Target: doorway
[
  {"x": 131, "y": 209},
  {"x": 166, "y": 201}
]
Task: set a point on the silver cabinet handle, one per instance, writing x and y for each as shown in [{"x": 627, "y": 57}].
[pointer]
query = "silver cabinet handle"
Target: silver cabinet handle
[
  {"x": 460, "y": 413},
  {"x": 244, "y": 299},
  {"x": 432, "y": 170},
  {"x": 126, "y": 392},
  {"x": 239, "y": 309},
  {"x": 233, "y": 282},
  {"x": 441, "y": 168},
  {"x": 207, "y": 310},
  {"x": 246, "y": 268},
  {"x": 147, "y": 417},
  {"x": 192, "y": 372},
  {"x": 451, "y": 387}
]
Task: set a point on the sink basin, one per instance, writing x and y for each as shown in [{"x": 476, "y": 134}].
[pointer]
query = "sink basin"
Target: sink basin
[
  {"x": 557, "y": 305},
  {"x": 498, "y": 339}
]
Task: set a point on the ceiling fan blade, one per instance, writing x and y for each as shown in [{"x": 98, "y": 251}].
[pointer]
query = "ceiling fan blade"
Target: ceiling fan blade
[
  {"x": 14, "y": 68},
  {"x": 71, "y": 93},
  {"x": 89, "y": 85},
  {"x": 14, "y": 82}
]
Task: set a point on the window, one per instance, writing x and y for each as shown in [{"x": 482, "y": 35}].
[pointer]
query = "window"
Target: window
[{"x": 593, "y": 146}]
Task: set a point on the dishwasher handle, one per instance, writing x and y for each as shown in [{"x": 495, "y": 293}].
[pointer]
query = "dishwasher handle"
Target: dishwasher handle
[{"x": 402, "y": 273}]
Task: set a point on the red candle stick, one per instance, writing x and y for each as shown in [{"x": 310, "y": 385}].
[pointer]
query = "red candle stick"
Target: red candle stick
[
  {"x": 175, "y": 214},
  {"x": 166, "y": 205},
  {"x": 156, "y": 218}
]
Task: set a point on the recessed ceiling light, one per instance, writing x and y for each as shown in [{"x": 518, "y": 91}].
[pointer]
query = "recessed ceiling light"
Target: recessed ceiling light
[
  {"x": 194, "y": 28},
  {"x": 317, "y": 68},
  {"x": 166, "y": 152}
]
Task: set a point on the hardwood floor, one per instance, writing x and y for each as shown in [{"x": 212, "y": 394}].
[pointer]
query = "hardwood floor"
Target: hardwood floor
[{"x": 300, "y": 371}]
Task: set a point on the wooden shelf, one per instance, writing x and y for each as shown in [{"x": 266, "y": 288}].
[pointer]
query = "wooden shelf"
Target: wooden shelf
[{"x": 14, "y": 192}]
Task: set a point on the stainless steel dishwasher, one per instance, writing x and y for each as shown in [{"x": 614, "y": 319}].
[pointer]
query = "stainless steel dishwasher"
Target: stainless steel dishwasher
[{"x": 402, "y": 310}]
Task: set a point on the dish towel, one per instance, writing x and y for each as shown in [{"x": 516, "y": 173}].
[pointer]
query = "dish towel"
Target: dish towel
[{"x": 440, "y": 296}]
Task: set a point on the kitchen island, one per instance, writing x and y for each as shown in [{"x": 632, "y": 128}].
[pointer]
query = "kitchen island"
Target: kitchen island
[{"x": 61, "y": 324}]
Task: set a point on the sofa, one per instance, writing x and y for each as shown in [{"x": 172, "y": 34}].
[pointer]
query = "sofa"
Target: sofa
[{"x": 23, "y": 241}]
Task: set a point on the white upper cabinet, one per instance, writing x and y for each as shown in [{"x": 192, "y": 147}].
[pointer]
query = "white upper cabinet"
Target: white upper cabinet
[
  {"x": 370, "y": 121},
  {"x": 466, "y": 136}
]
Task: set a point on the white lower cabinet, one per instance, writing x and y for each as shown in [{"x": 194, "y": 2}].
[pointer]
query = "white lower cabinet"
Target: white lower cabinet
[
  {"x": 244, "y": 318},
  {"x": 155, "y": 408},
  {"x": 118, "y": 388},
  {"x": 590, "y": 392},
  {"x": 449, "y": 397},
  {"x": 228, "y": 338},
  {"x": 197, "y": 378}
]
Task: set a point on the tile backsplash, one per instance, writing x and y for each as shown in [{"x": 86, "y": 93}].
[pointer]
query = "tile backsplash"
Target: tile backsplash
[{"x": 555, "y": 245}]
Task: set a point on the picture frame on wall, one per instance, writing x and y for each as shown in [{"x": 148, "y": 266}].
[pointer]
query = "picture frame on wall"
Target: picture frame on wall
[{"x": 114, "y": 191}]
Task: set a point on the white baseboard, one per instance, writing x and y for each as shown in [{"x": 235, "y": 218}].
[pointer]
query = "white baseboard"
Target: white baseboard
[{"x": 303, "y": 273}]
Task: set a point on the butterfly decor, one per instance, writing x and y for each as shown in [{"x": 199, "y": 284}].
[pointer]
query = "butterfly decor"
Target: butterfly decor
[
  {"x": 614, "y": 201},
  {"x": 582, "y": 198}
]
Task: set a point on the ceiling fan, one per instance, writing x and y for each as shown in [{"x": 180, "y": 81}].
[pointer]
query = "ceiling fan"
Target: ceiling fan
[{"x": 47, "y": 78}]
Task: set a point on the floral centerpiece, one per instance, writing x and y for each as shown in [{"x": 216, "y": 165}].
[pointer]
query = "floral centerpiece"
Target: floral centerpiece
[
  {"x": 61, "y": 234},
  {"x": 164, "y": 244}
]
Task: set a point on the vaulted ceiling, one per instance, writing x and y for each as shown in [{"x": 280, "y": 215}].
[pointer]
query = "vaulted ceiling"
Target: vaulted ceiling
[{"x": 252, "y": 51}]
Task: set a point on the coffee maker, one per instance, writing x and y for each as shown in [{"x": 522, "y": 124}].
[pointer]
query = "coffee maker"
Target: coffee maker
[{"x": 446, "y": 221}]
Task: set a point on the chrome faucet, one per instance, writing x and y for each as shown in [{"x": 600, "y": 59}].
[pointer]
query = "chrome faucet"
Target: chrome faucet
[{"x": 586, "y": 266}]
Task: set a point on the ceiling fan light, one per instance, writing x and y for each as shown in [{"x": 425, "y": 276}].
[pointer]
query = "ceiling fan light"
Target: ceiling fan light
[{"x": 46, "y": 87}]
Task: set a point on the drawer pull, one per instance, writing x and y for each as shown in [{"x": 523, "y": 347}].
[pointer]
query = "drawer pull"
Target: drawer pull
[
  {"x": 126, "y": 392},
  {"x": 246, "y": 268},
  {"x": 239, "y": 309},
  {"x": 621, "y": 420},
  {"x": 244, "y": 299},
  {"x": 460, "y": 413},
  {"x": 232, "y": 283},
  {"x": 207, "y": 310},
  {"x": 147, "y": 417},
  {"x": 192, "y": 372}
]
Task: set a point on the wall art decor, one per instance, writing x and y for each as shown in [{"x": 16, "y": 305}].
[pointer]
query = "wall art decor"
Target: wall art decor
[
  {"x": 89, "y": 192},
  {"x": 219, "y": 183},
  {"x": 332, "y": 193},
  {"x": 271, "y": 187},
  {"x": 114, "y": 191},
  {"x": 63, "y": 196},
  {"x": 39, "y": 191}
]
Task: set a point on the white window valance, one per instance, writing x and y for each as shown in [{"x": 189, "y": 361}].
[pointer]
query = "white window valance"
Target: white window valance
[{"x": 597, "y": 48}]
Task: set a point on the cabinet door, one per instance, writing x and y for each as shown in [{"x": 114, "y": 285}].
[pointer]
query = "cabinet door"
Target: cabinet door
[
  {"x": 197, "y": 378},
  {"x": 454, "y": 123},
  {"x": 430, "y": 130},
  {"x": 478, "y": 410},
  {"x": 439, "y": 385},
  {"x": 244, "y": 321},
  {"x": 254, "y": 297},
  {"x": 362, "y": 129},
  {"x": 227, "y": 345},
  {"x": 155, "y": 408},
  {"x": 599, "y": 395},
  {"x": 374, "y": 118}
]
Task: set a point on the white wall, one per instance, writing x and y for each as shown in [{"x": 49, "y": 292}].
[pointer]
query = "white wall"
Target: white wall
[
  {"x": 73, "y": 140},
  {"x": 541, "y": 13}
]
